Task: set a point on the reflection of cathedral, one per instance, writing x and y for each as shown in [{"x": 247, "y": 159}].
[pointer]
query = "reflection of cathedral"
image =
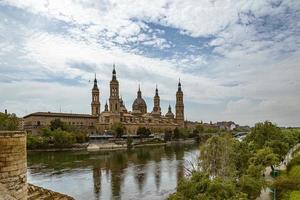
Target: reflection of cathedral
[{"x": 139, "y": 117}]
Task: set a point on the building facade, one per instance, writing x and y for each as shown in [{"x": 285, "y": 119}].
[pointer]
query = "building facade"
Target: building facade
[
  {"x": 116, "y": 112},
  {"x": 34, "y": 122}
]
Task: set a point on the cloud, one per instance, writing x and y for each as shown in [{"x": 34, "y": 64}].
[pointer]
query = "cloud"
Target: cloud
[{"x": 238, "y": 60}]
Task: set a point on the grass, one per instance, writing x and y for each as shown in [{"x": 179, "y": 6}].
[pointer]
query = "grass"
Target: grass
[
  {"x": 295, "y": 172},
  {"x": 295, "y": 195}
]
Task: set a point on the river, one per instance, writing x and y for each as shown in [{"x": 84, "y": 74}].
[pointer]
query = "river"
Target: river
[{"x": 142, "y": 173}]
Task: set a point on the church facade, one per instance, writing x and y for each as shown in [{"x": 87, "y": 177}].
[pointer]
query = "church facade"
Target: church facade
[{"x": 116, "y": 112}]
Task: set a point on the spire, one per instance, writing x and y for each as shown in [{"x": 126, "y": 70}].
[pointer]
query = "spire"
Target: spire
[
  {"x": 156, "y": 91},
  {"x": 95, "y": 82},
  {"x": 169, "y": 109},
  {"x": 139, "y": 93},
  {"x": 106, "y": 106},
  {"x": 179, "y": 85},
  {"x": 114, "y": 74}
]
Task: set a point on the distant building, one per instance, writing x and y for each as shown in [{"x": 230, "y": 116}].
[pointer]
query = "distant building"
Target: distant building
[
  {"x": 35, "y": 121},
  {"x": 115, "y": 112},
  {"x": 226, "y": 125}
]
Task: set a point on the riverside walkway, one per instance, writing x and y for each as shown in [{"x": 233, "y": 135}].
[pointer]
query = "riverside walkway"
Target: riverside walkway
[{"x": 265, "y": 193}]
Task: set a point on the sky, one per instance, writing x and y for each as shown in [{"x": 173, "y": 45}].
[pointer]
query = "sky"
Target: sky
[{"x": 236, "y": 59}]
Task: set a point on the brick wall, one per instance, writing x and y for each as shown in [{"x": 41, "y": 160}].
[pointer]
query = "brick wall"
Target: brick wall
[{"x": 13, "y": 163}]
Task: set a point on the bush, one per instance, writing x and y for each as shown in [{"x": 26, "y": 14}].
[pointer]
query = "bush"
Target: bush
[
  {"x": 34, "y": 142},
  {"x": 62, "y": 138}
]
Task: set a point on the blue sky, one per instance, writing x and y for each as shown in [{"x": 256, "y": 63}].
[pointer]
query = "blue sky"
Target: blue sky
[{"x": 237, "y": 59}]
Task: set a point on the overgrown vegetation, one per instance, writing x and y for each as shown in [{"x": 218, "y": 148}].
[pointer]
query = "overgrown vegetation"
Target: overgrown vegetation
[
  {"x": 287, "y": 185},
  {"x": 230, "y": 169}
]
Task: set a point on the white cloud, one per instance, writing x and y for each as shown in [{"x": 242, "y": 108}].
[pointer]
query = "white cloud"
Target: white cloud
[{"x": 249, "y": 76}]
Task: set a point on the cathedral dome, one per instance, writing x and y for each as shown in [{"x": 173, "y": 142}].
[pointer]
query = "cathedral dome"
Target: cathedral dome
[{"x": 139, "y": 103}]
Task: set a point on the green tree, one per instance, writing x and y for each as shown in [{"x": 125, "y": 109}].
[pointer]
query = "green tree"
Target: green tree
[
  {"x": 8, "y": 122},
  {"x": 201, "y": 186},
  {"x": 56, "y": 124},
  {"x": 176, "y": 133},
  {"x": 217, "y": 157},
  {"x": 264, "y": 157},
  {"x": 250, "y": 185},
  {"x": 118, "y": 129},
  {"x": 143, "y": 132}
]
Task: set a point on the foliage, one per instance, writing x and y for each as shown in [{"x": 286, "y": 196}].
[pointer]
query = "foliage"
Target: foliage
[
  {"x": 129, "y": 142},
  {"x": 250, "y": 185},
  {"x": 56, "y": 124},
  {"x": 176, "y": 133},
  {"x": 168, "y": 135},
  {"x": 118, "y": 129},
  {"x": 56, "y": 138},
  {"x": 264, "y": 157},
  {"x": 63, "y": 138},
  {"x": 181, "y": 133},
  {"x": 294, "y": 162},
  {"x": 200, "y": 186},
  {"x": 143, "y": 132},
  {"x": 231, "y": 169},
  {"x": 217, "y": 157},
  {"x": 8, "y": 122},
  {"x": 269, "y": 135},
  {"x": 35, "y": 141}
]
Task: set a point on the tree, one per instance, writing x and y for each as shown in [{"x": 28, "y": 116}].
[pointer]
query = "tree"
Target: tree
[
  {"x": 118, "y": 130},
  {"x": 264, "y": 157},
  {"x": 250, "y": 186},
  {"x": 176, "y": 133},
  {"x": 8, "y": 122},
  {"x": 200, "y": 186},
  {"x": 143, "y": 132},
  {"x": 168, "y": 135},
  {"x": 56, "y": 124},
  {"x": 262, "y": 133},
  {"x": 217, "y": 157}
]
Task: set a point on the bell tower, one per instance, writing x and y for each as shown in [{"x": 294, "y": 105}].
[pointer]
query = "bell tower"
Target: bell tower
[
  {"x": 95, "y": 105},
  {"x": 114, "y": 102},
  {"x": 156, "y": 108},
  {"x": 179, "y": 106}
]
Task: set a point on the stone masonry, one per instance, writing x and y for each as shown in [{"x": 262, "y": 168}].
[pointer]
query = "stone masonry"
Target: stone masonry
[{"x": 13, "y": 163}]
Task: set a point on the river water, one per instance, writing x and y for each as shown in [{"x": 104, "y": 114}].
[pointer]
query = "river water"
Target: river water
[{"x": 143, "y": 173}]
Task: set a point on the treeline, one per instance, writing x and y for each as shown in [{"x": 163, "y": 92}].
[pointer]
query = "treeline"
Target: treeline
[
  {"x": 230, "y": 169},
  {"x": 58, "y": 135}
]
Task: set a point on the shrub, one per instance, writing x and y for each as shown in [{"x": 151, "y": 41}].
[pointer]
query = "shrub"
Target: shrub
[{"x": 34, "y": 142}]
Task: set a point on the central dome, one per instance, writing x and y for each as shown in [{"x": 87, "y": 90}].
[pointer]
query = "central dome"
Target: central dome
[{"x": 139, "y": 104}]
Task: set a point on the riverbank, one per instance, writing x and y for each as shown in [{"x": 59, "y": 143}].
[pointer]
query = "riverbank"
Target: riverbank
[{"x": 109, "y": 146}]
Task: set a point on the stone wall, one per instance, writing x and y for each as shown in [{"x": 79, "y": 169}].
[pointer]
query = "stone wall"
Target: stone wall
[{"x": 13, "y": 163}]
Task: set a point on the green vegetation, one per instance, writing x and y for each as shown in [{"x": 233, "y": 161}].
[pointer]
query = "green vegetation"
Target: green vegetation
[
  {"x": 287, "y": 184},
  {"x": 143, "y": 132},
  {"x": 57, "y": 135},
  {"x": 231, "y": 169},
  {"x": 8, "y": 122},
  {"x": 118, "y": 130}
]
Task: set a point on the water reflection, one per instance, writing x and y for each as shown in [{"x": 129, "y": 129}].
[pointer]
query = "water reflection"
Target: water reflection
[{"x": 143, "y": 173}]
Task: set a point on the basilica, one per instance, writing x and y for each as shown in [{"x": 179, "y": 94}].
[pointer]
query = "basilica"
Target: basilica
[{"x": 116, "y": 112}]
